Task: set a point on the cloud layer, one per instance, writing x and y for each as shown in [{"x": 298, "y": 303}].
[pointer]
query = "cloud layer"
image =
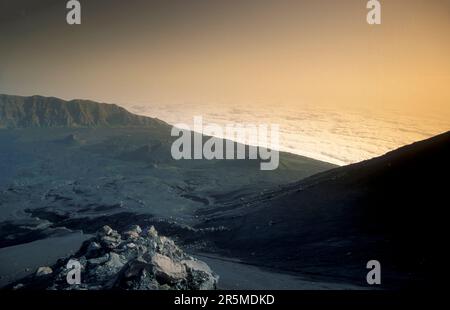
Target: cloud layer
[{"x": 332, "y": 135}]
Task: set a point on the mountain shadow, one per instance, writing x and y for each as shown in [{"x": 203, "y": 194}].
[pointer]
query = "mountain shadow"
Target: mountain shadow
[{"x": 390, "y": 209}]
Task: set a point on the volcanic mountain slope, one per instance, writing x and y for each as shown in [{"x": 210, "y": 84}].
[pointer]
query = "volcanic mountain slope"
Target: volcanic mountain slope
[
  {"x": 38, "y": 111},
  {"x": 389, "y": 209},
  {"x": 42, "y": 133},
  {"x": 68, "y": 168}
]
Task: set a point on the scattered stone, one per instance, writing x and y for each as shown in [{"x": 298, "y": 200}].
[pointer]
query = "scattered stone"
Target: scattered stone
[
  {"x": 167, "y": 247},
  {"x": 152, "y": 233},
  {"x": 109, "y": 238},
  {"x": 133, "y": 233},
  {"x": 105, "y": 231},
  {"x": 99, "y": 260},
  {"x": 43, "y": 271},
  {"x": 131, "y": 245},
  {"x": 115, "y": 261},
  {"x": 112, "y": 261},
  {"x": 136, "y": 228}
]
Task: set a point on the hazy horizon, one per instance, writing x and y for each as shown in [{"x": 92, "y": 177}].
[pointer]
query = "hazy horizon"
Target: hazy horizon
[{"x": 341, "y": 90}]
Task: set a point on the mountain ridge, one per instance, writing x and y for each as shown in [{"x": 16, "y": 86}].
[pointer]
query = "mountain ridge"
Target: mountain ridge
[{"x": 39, "y": 111}]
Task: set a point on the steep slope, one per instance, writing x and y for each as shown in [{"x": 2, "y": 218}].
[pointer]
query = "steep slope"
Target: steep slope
[
  {"x": 389, "y": 208},
  {"x": 38, "y": 111}
]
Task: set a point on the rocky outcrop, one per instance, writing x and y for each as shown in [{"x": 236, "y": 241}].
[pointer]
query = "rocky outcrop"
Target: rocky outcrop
[{"x": 134, "y": 260}]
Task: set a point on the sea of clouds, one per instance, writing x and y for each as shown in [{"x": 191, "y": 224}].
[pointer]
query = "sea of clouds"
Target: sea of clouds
[{"x": 337, "y": 136}]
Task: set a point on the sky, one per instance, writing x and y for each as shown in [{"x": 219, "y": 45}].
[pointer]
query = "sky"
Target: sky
[{"x": 264, "y": 54}]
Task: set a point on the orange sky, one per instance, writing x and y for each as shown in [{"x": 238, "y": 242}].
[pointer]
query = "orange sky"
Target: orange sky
[{"x": 232, "y": 52}]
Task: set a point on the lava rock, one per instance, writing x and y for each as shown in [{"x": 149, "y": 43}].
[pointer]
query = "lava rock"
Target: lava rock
[
  {"x": 168, "y": 271},
  {"x": 131, "y": 261}
]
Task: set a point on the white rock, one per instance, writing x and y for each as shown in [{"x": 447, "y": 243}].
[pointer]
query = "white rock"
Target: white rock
[
  {"x": 131, "y": 245},
  {"x": 43, "y": 271}
]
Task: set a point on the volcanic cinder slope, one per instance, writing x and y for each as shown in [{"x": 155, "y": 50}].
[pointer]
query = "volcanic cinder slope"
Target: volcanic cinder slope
[
  {"x": 391, "y": 209},
  {"x": 70, "y": 167}
]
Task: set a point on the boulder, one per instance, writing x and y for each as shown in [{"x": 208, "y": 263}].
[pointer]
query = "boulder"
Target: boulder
[
  {"x": 201, "y": 276},
  {"x": 166, "y": 270}
]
